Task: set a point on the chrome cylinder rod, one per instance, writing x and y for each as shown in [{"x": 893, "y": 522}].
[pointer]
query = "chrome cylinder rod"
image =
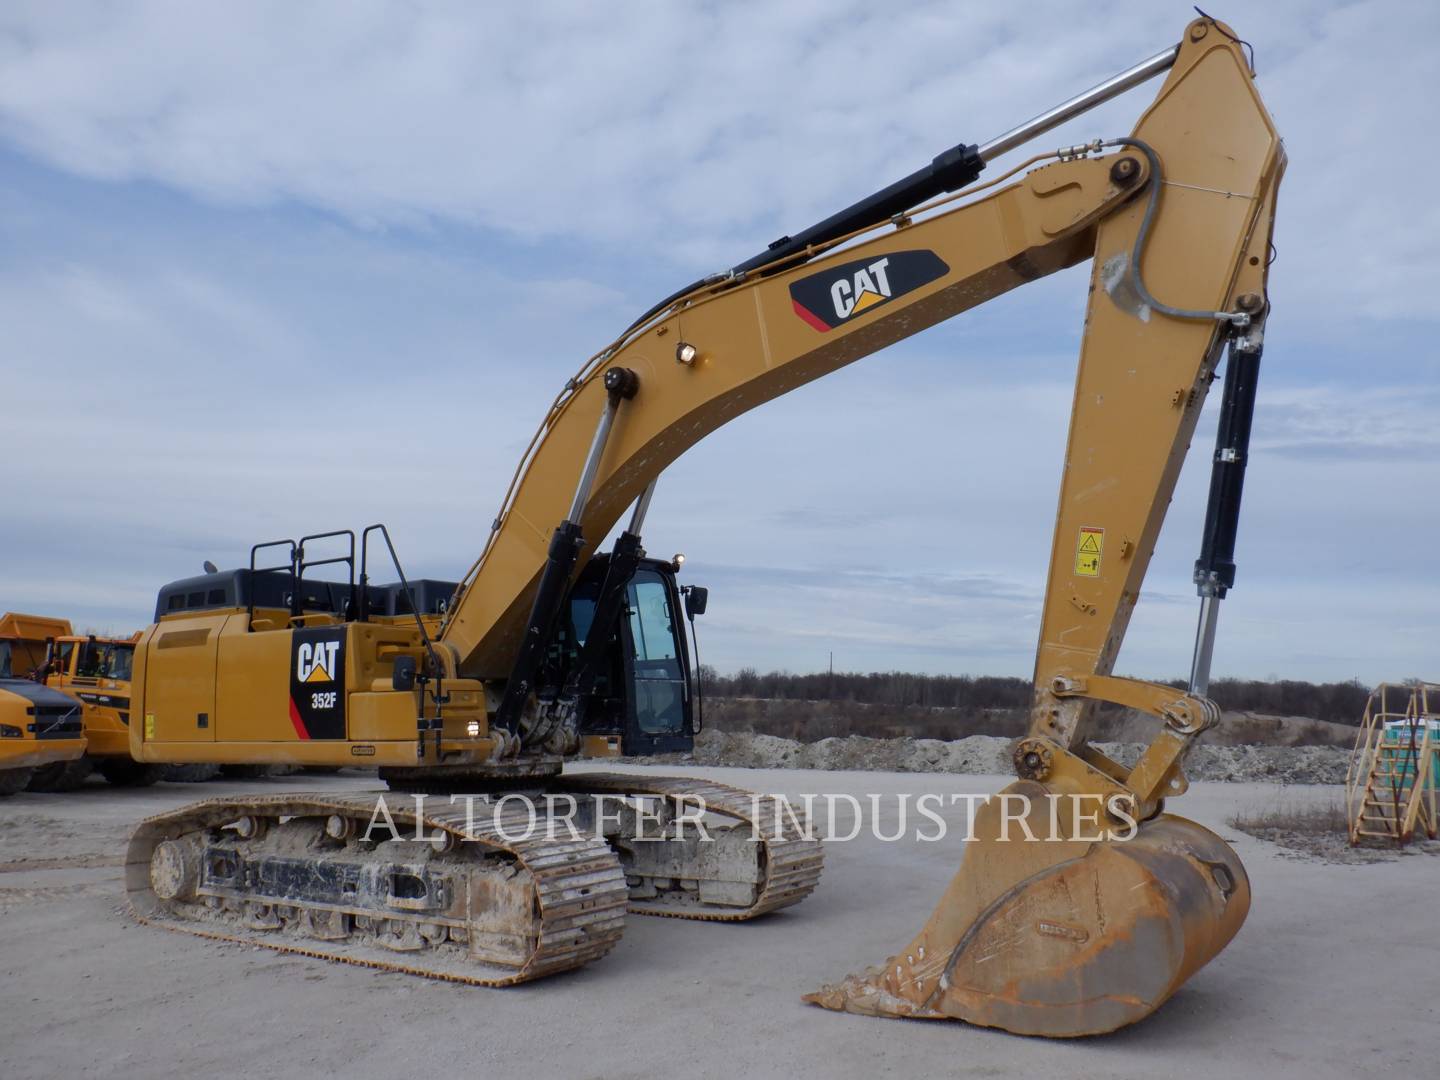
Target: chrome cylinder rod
[
  {"x": 642, "y": 507},
  {"x": 592, "y": 460},
  {"x": 1204, "y": 645},
  {"x": 1080, "y": 103}
]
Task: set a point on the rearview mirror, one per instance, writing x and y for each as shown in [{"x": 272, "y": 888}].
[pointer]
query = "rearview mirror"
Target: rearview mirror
[
  {"x": 696, "y": 597},
  {"x": 402, "y": 676}
]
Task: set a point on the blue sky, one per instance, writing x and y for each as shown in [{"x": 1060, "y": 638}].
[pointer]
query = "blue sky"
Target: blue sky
[{"x": 268, "y": 270}]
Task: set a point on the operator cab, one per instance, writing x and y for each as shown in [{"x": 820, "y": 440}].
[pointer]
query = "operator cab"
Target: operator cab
[
  {"x": 649, "y": 654},
  {"x": 90, "y": 661}
]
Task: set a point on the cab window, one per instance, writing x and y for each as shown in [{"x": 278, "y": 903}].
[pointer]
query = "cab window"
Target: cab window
[
  {"x": 659, "y": 679},
  {"x": 652, "y": 630},
  {"x": 120, "y": 662}
]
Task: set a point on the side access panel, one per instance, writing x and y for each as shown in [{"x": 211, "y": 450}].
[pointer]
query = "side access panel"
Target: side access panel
[{"x": 179, "y": 674}]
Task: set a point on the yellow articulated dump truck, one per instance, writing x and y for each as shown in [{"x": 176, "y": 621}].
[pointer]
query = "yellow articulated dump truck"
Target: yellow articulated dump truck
[
  {"x": 40, "y": 728},
  {"x": 96, "y": 672},
  {"x": 548, "y": 649},
  {"x": 92, "y": 671}
]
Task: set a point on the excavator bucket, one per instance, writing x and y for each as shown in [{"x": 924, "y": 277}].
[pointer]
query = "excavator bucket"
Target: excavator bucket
[{"x": 1049, "y": 929}]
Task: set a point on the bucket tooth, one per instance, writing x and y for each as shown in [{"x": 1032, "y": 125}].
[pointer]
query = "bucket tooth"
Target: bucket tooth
[{"x": 1065, "y": 937}]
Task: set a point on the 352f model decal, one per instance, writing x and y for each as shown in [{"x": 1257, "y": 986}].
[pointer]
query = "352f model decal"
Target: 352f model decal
[{"x": 317, "y": 682}]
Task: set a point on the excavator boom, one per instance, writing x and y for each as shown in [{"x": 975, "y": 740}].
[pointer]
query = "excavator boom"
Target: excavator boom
[{"x": 726, "y": 347}]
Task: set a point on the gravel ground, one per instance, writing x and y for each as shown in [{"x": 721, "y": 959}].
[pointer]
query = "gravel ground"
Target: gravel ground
[
  {"x": 1320, "y": 983},
  {"x": 990, "y": 755}
]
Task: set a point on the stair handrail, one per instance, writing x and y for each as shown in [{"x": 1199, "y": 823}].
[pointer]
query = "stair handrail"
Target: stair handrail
[{"x": 1358, "y": 775}]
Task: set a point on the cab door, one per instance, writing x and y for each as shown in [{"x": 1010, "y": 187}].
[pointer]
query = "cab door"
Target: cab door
[{"x": 656, "y": 668}]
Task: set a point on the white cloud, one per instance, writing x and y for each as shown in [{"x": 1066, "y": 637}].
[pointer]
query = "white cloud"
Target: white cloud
[
  {"x": 684, "y": 127},
  {"x": 1386, "y": 422}
]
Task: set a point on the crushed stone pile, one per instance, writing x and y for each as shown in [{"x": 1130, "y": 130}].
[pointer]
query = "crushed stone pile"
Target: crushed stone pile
[{"x": 990, "y": 754}]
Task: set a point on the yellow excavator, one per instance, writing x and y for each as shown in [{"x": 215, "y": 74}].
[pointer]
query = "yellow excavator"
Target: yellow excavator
[
  {"x": 544, "y": 651},
  {"x": 40, "y": 729}
]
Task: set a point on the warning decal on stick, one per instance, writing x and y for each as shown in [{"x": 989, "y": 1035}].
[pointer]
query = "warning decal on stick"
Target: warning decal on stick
[{"x": 1088, "y": 549}]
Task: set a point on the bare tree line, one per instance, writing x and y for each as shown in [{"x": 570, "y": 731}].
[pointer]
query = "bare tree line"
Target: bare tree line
[{"x": 1339, "y": 702}]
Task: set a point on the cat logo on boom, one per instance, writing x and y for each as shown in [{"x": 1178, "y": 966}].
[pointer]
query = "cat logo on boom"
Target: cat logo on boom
[{"x": 838, "y": 295}]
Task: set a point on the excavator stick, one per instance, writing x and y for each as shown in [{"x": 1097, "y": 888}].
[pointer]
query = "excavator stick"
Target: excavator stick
[{"x": 1080, "y": 906}]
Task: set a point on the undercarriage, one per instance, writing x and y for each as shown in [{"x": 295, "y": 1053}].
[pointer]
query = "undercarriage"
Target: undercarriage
[{"x": 493, "y": 889}]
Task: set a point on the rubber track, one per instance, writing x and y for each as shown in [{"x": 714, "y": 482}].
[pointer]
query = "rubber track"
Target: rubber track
[
  {"x": 792, "y": 863},
  {"x": 575, "y": 927}
]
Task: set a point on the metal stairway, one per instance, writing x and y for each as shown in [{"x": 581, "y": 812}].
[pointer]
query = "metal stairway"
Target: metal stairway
[{"x": 1390, "y": 791}]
